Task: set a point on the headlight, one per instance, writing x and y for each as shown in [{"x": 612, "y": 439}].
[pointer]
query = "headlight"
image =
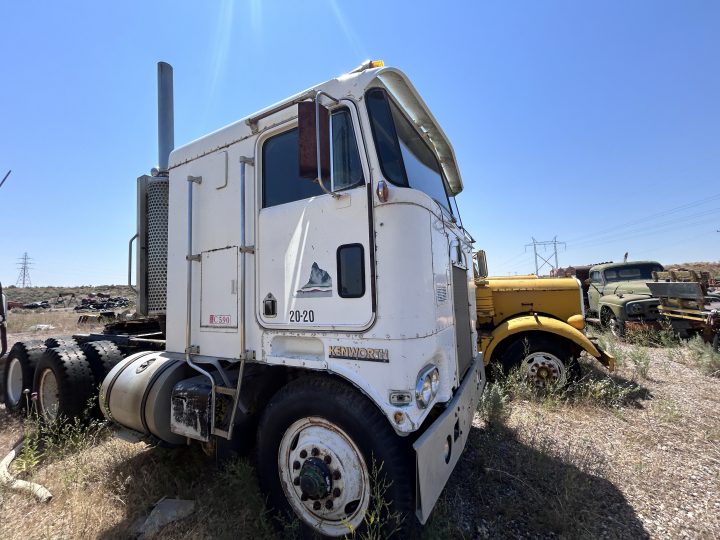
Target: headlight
[
  {"x": 635, "y": 308},
  {"x": 427, "y": 386}
]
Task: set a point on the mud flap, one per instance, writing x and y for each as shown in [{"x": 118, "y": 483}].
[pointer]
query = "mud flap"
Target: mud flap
[{"x": 438, "y": 450}]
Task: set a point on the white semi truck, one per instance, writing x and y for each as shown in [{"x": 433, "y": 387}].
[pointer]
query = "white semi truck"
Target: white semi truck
[{"x": 306, "y": 281}]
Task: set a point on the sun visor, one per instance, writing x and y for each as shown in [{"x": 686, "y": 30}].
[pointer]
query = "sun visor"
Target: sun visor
[{"x": 404, "y": 93}]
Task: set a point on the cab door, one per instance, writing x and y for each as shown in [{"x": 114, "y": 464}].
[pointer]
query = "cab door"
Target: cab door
[
  {"x": 314, "y": 251},
  {"x": 595, "y": 290}
]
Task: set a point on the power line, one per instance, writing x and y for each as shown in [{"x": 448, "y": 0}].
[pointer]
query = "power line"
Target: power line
[
  {"x": 24, "y": 264},
  {"x": 645, "y": 219},
  {"x": 5, "y": 177},
  {"x": 545, "y": 261}
]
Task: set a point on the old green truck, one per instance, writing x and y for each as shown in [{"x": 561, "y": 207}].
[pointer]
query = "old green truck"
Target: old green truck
[{"x": 619, "y": 297}]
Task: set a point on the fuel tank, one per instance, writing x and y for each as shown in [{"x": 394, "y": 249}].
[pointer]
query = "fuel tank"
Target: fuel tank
[{"x": 137, "y": 393}]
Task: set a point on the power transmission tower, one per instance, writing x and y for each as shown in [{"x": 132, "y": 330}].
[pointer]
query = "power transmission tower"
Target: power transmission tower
[
  {"x": 24, "y": 264},
  {"x": 545, "y": 260}
]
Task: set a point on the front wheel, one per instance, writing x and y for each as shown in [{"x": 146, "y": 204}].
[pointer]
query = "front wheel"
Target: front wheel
[
  {"x": 612, "y": 323},
  {"x": 321, "y": 448},
  {"x": 544, "y": 361}
]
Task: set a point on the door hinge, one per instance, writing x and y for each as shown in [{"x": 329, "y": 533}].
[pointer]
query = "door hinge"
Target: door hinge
[
  {"x": 193, "y": 349},
  {"x": 195, "y": 258}
]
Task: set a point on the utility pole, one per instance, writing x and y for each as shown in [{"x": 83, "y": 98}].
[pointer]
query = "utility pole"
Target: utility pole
[
  {"x": 24, "y": 264},
  {"x": 546, "y": 261}
]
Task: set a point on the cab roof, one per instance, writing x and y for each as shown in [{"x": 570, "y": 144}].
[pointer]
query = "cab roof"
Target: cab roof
[
  {"x": 605, "y": 266},
  {"x": 350, "y": 85}
]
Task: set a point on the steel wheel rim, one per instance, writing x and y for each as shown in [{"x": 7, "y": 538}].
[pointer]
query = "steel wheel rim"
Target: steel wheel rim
[
  {"x": 311, "y": 450},
  {"x": 545, "y": 369},
  {"x": 15, "y": 382},
  {"x": 49, "y": 394}
]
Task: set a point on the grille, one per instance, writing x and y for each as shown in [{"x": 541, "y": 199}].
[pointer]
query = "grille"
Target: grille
[
  {"x": 463, "y": 338},
  {"x": 157, "y": 245}
]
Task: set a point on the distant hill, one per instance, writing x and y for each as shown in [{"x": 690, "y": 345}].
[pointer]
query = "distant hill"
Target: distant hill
[
  {"x": 712, "y": 267},
  {"x": 51, "y": 294}
]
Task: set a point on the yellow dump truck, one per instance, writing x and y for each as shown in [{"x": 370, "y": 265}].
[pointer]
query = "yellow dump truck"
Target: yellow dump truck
[{"x": 534, "y": 324}]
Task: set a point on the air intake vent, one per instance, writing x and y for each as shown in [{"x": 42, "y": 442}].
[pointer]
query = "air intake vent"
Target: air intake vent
[{"x": 152, "y": 244}]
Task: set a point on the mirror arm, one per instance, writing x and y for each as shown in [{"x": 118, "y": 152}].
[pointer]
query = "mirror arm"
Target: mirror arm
[{"x": 317, "y": 142}]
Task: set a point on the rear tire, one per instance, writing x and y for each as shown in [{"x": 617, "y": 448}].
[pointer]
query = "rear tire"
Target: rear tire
[
  {"x": 545, "y": 361},
  {"x": 64, "y": 383},
  {"x": 317, "y": 442},
  {"x": 102, "y": 357},
  {"x": 19, "y": 373},
  {"x": 66, "y": 341}
]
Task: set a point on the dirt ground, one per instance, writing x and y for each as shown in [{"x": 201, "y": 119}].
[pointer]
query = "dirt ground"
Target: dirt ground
[{"x": 645, "y": 466}]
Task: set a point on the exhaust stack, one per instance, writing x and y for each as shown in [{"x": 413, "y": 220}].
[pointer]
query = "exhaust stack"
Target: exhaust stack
[
  {"x": 152, "y": 208},
  {"x": 166, "y": 117}
]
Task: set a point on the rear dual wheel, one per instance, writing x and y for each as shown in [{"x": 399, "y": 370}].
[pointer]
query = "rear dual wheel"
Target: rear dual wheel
[
  {"x": 19, "y": 371},
  {"x": 64, "y": 383}
]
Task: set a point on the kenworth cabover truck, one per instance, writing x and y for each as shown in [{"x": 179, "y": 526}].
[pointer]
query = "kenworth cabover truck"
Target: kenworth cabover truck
[
  {"x": 532, "y": 324},
  {"x": 306, "y": 281}
]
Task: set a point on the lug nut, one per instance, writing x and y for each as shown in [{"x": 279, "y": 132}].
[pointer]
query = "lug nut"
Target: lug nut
[
  {"x": 315, "y": 452},
  {"x": 336, "y": 475},
  {"x": 296, "y": 465},
  {"x": 296, "y": 481},
  {"x": 336, "y": 492},
  {"x": 303, "y": 454},
  {"x": 328, "y": 504},
  {"x": 316, "y": 505},
  {"x": 328, "y": 459},
  {"x": 303, "y": 497}
]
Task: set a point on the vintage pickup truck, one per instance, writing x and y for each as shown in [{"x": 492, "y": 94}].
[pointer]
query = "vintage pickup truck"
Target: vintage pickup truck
[{"x": 618, "y": 295}]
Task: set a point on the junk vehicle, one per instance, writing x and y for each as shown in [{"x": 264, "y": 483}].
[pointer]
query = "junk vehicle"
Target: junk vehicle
[
  {"x": 619, "y": 297},
  {"x": 305, "y": 280},
  {"x": 687, "y": 303},
  {"x": 533, "y": 324}
]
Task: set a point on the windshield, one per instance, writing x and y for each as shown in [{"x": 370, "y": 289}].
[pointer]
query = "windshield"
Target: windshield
[
  {"x": 405, "y": 157},
  {"x": 625, "y": 273}
]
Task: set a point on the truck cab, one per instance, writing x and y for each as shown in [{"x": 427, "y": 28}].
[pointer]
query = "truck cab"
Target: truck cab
[
  {"x": 618, "y": 294},
  {"x": 313, "y": 279}
]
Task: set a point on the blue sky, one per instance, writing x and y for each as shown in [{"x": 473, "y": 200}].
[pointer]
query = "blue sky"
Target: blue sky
[{"x": 596, "y": 122}]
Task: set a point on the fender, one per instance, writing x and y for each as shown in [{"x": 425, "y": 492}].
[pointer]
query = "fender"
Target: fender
[{"x": 540, "y": 323}]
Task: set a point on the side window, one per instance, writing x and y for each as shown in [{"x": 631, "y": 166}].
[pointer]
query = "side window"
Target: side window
[
  {"x": 281, "y": 181},
  {"x": 280, "y": 175},
  {"x": 595, "y": 277},
  {"x": 351, "y": 271},
  {"x": 346, "y": 170}
]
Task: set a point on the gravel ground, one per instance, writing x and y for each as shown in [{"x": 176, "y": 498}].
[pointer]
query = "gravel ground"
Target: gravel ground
[{"x": 552, "y": 469}]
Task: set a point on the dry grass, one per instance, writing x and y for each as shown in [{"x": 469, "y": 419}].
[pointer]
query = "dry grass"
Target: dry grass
[
  {"x": 21, "y": 324},
  {"x": 632, "y": 455}
]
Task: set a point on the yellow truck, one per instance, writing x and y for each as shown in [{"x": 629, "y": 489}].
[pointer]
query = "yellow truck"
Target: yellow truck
[{"x": 533, "y": 324}]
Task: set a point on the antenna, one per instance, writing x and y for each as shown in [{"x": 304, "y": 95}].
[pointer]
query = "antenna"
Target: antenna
[{"x": 5, "y": 177}]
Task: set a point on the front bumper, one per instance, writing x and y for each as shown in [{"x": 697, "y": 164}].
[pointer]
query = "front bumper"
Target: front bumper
[
  {"x": 605, "y": 358},
  {"x": 433, "y": 468}
]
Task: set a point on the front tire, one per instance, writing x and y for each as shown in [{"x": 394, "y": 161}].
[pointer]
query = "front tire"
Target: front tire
[
  {"x": 544, "y": 361},
  {"x": 612, "y": 323},
  {"x": 319, "y": 442}
]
